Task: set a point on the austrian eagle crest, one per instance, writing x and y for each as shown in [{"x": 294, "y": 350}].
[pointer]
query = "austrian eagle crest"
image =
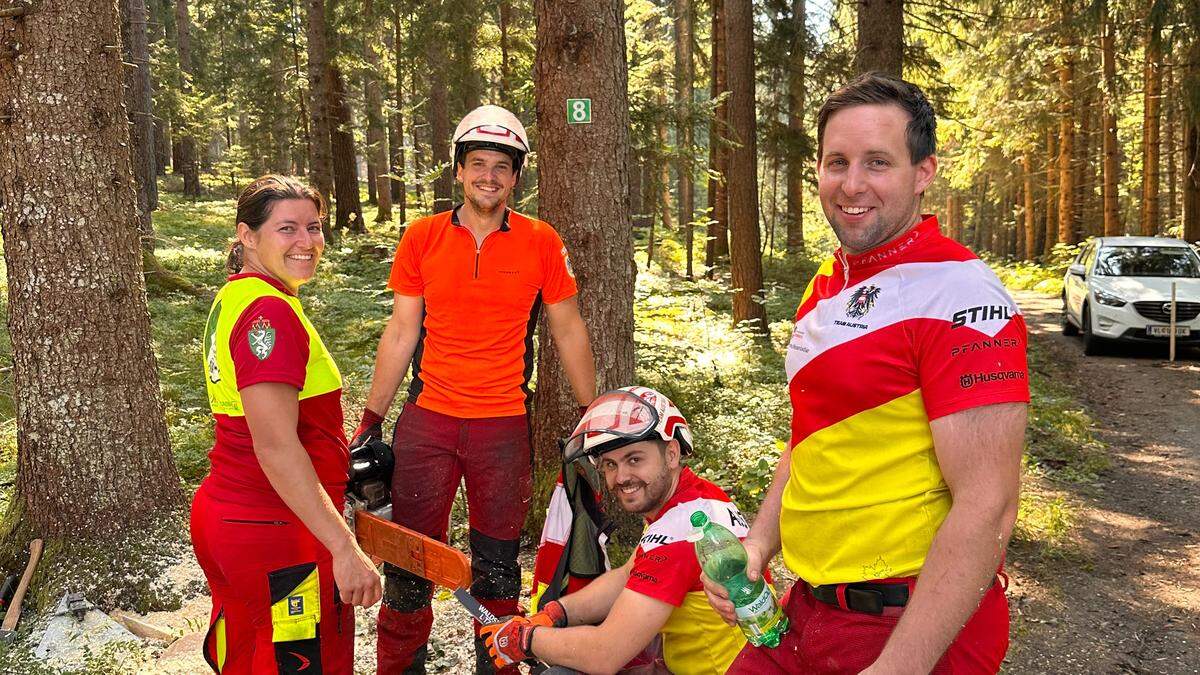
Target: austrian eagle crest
[{"x": 861, "y": 301}]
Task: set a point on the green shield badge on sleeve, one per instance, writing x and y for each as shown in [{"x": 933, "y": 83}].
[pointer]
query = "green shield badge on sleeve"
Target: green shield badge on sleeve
[{"x": 262, "y": 338}]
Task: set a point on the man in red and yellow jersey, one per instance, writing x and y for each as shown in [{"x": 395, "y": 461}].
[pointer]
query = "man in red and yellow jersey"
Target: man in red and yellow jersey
[
  {"x": 637, "y": 436},
  {"x": 469, "y": 285},
  {"x": 909, "y": 389}
]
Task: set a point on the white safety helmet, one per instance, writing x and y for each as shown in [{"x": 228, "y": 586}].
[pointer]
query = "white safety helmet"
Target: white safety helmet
[
  {"x": 490, "y": 127},
  {"x": 624, "y": 416}
]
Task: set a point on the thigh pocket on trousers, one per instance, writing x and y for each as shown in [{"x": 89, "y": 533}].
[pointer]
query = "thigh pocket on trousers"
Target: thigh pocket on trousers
[{"x": 295, "y": 615}]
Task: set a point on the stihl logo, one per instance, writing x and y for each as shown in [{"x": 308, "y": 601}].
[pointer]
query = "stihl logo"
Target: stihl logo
[
  {"x": 657, "y": 539},
  {"x": 980, "y": 313}
]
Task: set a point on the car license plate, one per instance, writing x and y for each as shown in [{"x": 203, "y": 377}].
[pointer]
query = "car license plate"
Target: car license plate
[{"x": 1164, "y": 331}]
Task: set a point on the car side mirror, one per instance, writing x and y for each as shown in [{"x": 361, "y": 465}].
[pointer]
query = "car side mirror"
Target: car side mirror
[{"x": 1077, "y": 269}]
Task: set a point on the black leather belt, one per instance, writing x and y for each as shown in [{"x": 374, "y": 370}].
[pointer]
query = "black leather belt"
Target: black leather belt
[{"x": 863, "y": 597}]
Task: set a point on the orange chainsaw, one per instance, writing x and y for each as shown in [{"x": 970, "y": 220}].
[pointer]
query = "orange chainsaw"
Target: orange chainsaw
[{"x": 369, "y": 514}]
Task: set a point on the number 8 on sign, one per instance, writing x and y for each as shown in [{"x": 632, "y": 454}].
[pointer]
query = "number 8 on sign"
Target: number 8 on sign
[{"x": 579, "y": 111}]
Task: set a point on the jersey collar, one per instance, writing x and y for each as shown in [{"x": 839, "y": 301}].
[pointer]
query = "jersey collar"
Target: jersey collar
[
  {"x": 687, "y": 481},
  {"x": 277, "y": 284},
  {"x": 454, "y": 217},
  {"x": 892, "y": 251}
]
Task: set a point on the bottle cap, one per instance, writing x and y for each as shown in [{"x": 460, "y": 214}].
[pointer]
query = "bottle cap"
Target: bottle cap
[{"x": 699, "y": 519}]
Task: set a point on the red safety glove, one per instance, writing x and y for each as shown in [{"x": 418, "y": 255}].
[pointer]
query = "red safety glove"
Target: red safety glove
[
  {"x": 552, "y": 615},
  {"x": 509, "y": 640},
  {"x": 371, "y": 426}
]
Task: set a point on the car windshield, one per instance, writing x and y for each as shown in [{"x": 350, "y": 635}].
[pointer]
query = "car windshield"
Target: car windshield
[{"x": 1147, "y": 261}]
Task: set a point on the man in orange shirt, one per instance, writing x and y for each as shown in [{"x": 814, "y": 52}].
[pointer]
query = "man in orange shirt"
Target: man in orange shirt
[{"x": 469, "y": 285}]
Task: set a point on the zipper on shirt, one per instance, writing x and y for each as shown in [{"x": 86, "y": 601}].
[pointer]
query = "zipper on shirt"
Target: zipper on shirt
[
  {"x": 479, "y": 249},
  {"x": 845, "y": 268},
  {"x": 243, "y": 521}
]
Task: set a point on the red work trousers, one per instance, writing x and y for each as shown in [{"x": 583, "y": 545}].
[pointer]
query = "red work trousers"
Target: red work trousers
[
  {"x": 434, "y": 453},
  {"x": 827, "y": 639},
  {"x": 275, "y": 606}
]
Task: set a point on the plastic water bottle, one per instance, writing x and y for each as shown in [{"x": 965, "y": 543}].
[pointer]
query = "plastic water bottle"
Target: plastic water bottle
[{"x": 723, "y": 559}]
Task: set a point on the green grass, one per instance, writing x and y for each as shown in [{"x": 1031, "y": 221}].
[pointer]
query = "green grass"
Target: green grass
[{"x": 1044, "y": 277}]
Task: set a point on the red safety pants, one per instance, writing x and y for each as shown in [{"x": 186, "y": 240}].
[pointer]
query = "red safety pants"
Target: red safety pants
[
  {"x": 434, "y": 453},
  {"x": 275, "y": 607},
  {"x": 827, "y": 639}
]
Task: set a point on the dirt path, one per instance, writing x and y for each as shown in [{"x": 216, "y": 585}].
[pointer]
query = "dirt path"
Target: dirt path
[{"x": 1133, "y": 604}]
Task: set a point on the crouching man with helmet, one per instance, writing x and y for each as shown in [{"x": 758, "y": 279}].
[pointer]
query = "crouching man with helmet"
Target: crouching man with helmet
[{"x": 636, "y": 436}]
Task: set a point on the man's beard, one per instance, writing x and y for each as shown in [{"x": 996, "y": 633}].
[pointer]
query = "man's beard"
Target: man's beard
[
  {"x": 870, "y": 235},
  {"x": 654, "y": 493}
]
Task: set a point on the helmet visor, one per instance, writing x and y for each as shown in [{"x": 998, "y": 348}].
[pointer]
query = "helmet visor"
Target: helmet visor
[{"x": 612, "y": 416}]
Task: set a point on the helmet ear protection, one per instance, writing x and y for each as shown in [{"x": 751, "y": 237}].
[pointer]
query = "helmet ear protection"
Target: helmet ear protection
[
  {"x": 490, "y": 127},
  {"x": 625, "y": 416}
]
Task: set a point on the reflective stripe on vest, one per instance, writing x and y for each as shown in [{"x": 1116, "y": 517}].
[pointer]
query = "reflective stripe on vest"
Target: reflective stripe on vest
[{"x": 321, "y": 373}]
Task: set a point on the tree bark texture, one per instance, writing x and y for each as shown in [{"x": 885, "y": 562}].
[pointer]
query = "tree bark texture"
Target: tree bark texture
[
  {"x": 880, "y": 37},
  {"x": 744, "y": 242},
  {"x": 188, "y": 161},
  {"x": 1084, "y": 170},
  {"x": 1170, "y": 122},
  {"x": 345, "y": 167},
  {"x": 1066, "y": 149},
  {"x": 93, "y": 452},
  {"x": 377, "y": 148},
  {"x": 580, "y": 52},
  {"x": 139, "y": 103},
  {"x": 1029, "y": 240},
  {"x": 716, "y": 247},
  {"x": 1190, "y": 171},
  {"x": 796, "y": 158},
  {"x": 399, "y": 189},
  {"x": 1150, "y": 137},
  {"x": 1050, "y": 231},
  {"x": 320, "y": 151},
  {"x": 662, "y": 181},
  {"x": 684, "y": 73},
  {"x": 439, "y": 127},
  {"x": 1112, "y": 178}
]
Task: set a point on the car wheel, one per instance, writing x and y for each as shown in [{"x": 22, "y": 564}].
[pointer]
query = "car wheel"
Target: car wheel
[
  {"x": 1092, "y": 345},
  {"x": 1068, "y": 328}
]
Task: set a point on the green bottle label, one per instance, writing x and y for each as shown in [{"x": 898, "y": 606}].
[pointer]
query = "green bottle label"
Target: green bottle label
[{"x": 758, "y": 608}]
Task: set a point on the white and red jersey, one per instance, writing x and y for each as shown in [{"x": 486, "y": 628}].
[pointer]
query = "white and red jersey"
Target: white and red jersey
[{"x": 885, "y": 342}]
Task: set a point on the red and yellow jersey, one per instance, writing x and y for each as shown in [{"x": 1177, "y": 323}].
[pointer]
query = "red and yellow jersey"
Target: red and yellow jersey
[
  {"x": 695, "y": 639},
  {"x": 257, "y": 332},
  {"x": 884, "y": 342},
  {"x": 475, "y": 354}
]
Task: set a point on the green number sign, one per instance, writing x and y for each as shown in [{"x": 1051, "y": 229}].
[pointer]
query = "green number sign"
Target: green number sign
[{"x": 579, "y": 111}]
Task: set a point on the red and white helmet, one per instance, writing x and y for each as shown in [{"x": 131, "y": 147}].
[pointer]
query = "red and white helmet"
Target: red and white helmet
[
  {"x": 624, "y": 416},
  {"x": 490, "y": 127}
]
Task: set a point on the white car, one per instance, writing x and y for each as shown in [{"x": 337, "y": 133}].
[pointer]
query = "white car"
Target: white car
[{"x": 1119, "y": 288}]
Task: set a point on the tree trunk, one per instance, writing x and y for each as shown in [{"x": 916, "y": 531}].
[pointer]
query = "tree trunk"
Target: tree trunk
[
  {"x": 377, "y": 149},
  {"x": 745, "y": 262},
  {"x": 1191, "y": 178},
  {"x": 1030, "y": 238},
  {"x": 1112, "y": 169},
  {"x": 880, "y": 37},
  {"x": 684, "y": 70},
  {"x": 187, "y": 164},
  {"x": 1171, "y": 101},
  {"x": 663, "y": 182},
  {"x": 504, "y": 23},
  {"x": 716, "y": 248},
  {"x": 1150, "y": 120},
  {"x": 581, "y": 47},
  {"x": 320, "y": 151},
  {"x": 1083, "y": 175},
  {"x": 1066, "y": 149},
  {"x": 399, "y": 189},
  {"x": 1050, "y": 231},
  {"x": 796, "y": 157},
  {"x": 439, "y": 127},
  {"x": 345, "y": 167},
  {"x": 139, "y": 104},
  {"x": 94, "y": 459}
]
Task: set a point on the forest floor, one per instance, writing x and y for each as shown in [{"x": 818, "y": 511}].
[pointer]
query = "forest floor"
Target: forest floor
[{"x": 1124, "y": 596}]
